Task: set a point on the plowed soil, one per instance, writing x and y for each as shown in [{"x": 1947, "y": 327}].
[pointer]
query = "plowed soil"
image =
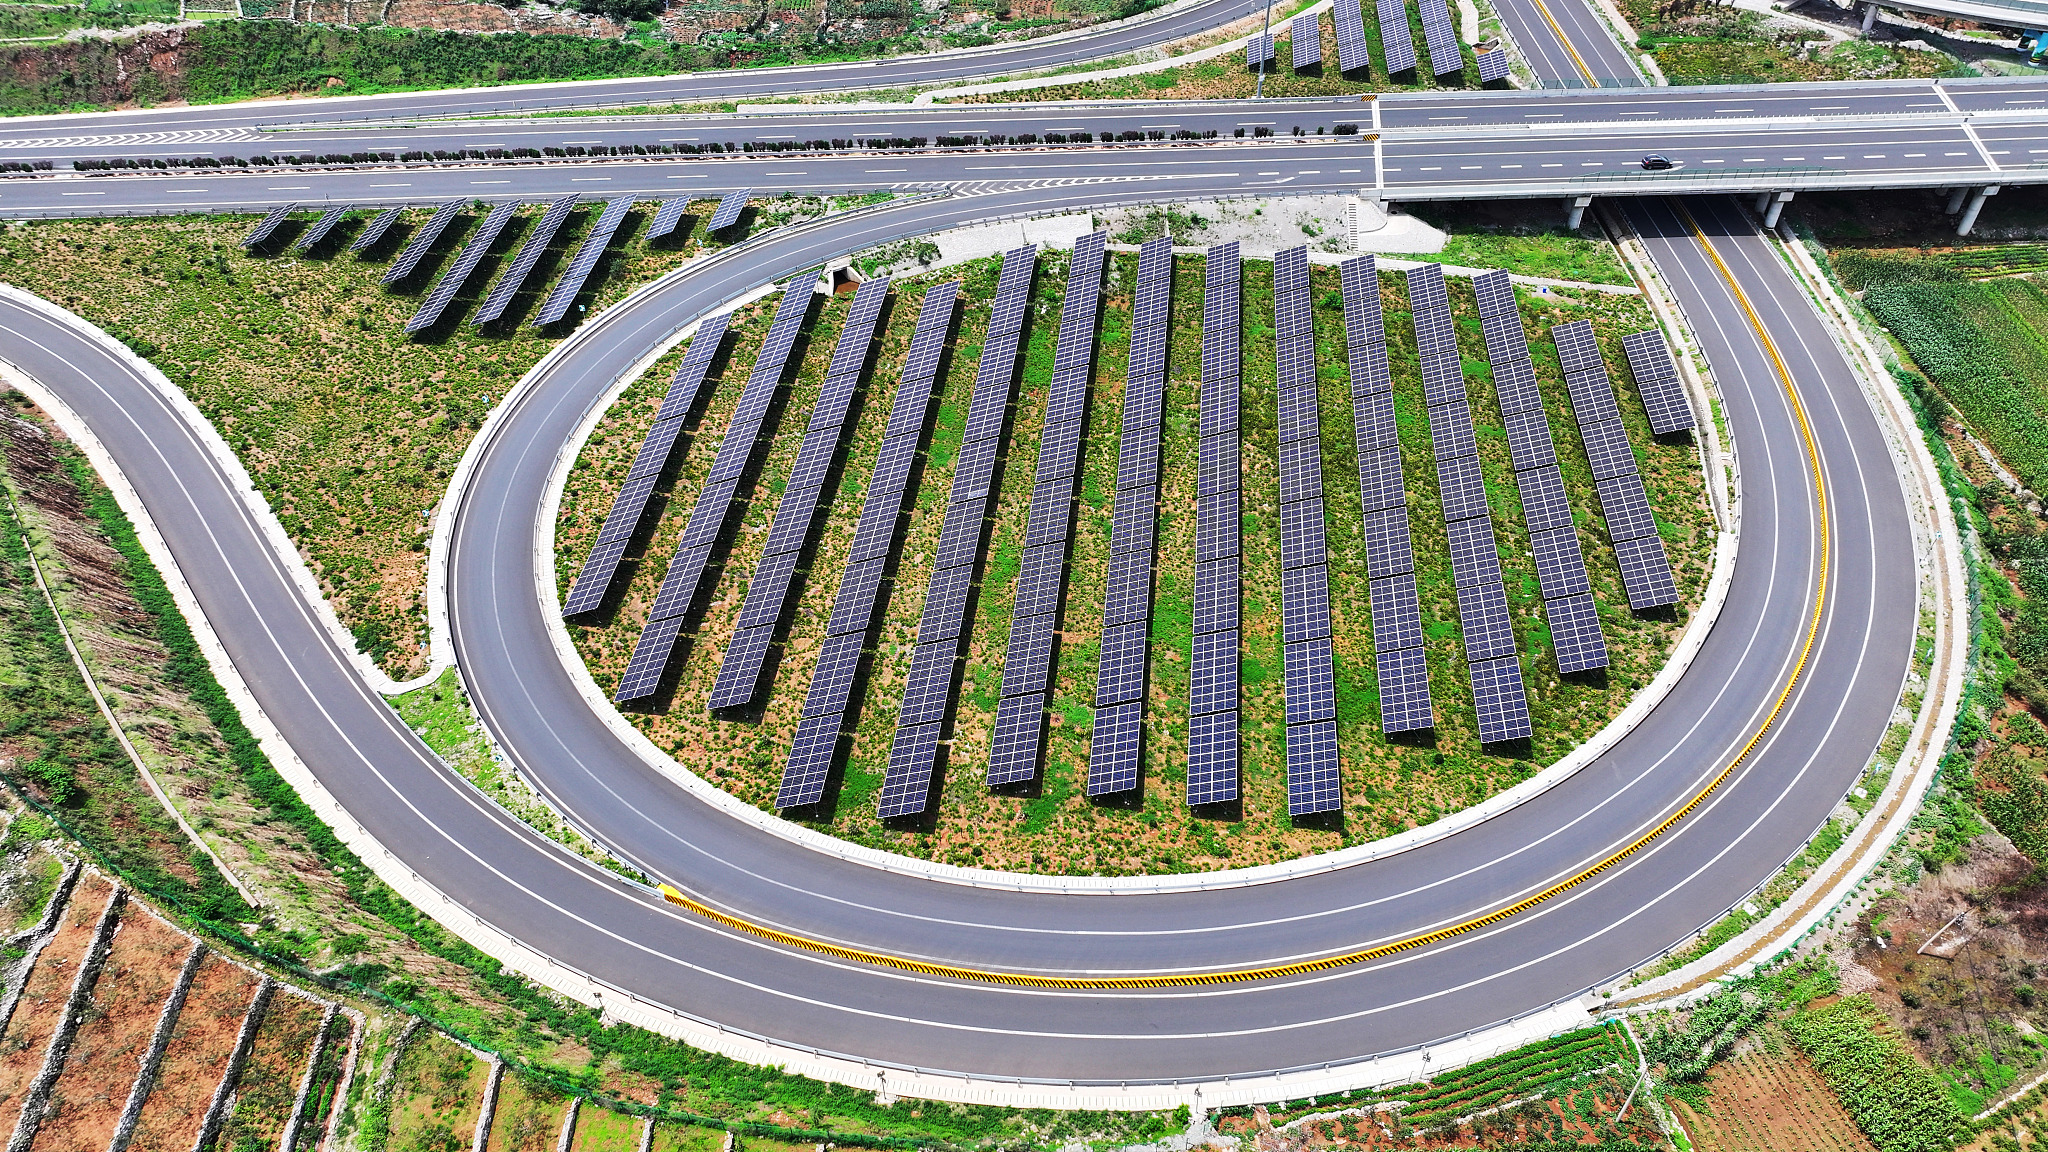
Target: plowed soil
[
  {"x": 1771, "y": 1100},
  {"x": 200, "y": 1045},
  {"x": 142, "y": 965},
  {"x": 42, "y": 1002}
]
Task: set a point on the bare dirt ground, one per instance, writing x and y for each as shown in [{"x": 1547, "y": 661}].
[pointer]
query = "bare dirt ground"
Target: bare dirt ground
[
  {"x": 439, "y": 1091},
  {"x": 42, "y": 1001},
  {"x": 198, "y": 1052},
  {"x": 270, "y": 1080},
  {"x": 1768, "y": 1097},
  {"x": 528, "y": 1117}
]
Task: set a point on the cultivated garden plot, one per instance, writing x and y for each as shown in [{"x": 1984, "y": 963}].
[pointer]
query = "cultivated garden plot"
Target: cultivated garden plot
[
  {"x": 192, "y": 1065},
  {"x": 436, "y": 1096},
  {"x": 1769, "y": 1096},
  {"x": 1388, "y": 785},
  {"x": 527, "y": 1116},
  {"x": 43, "y": 994}
]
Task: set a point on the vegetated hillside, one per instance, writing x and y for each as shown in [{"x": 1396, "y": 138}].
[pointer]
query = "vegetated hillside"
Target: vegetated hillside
[{"x": 1389, "y": 785}]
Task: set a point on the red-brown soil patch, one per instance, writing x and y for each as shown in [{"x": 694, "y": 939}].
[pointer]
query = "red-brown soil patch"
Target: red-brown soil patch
[
  {"x": 528, "y": 1116},
  {"x": 201, "y": 1043},
  {"x": 142, "y": 964},
  {"x": 270, "y": 1080},
  {"x": 42, "y": 1000},
  {"x": 1770, "y": 1097}
]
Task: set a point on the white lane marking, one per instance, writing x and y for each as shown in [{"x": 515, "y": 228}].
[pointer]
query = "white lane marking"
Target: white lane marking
[
  {"x": 692, "y": 176},
  {"x": 1511, "y": 165},
  {"x": 390, "y": 185},
  {"x": 290, "y": 187},
  {"x": 490, "y": 181},
  {"x": 1734, "y": 109},
  {"x": 1873, "y": 155},
  {"x": 600, "y": 179},
  {"x": 1543, "y": 115},
  {"x": 1553, "y": 165},
  {"x": 1450, "y": 117},
  {"x": 1308, "y": 172},
  {"x": 1910, "y": 155},
  {"x": 872, "y": 171},
  {"x": 1470, "y": 167},
  {"x": 85, "y": 193},
  {"x": 1349, "y": 171},
  {"x": 1795, "y": 157}
]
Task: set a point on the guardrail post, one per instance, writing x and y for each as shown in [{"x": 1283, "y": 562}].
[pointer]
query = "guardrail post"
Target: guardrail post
[
  {"x": 1777, "y": 208},
  {"x": 1578, "y": 211},
  {"x": 1969, "y": 219}
]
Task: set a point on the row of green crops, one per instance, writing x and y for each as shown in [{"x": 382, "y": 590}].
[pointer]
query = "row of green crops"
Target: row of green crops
[{"x": 1897, "y": 1101}]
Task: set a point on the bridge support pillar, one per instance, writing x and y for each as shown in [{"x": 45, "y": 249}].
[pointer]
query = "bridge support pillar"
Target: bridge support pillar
[
  {"x": 1976, "y": 205},
  {"x": 1776, "y": 208},
  {"x": 1955, "y": 200},
  {"x": 1869, "y": 17},
  {"x": 1579, "y": 205}
]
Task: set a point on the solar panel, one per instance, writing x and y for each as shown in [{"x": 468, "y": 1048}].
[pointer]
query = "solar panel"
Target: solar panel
[
  {"x": 874, "y": 535},
  {"x": 906, "y": 788},
  {"x": 1657, "y": 383},
  {"x": 1493, "y": 65},
  {"x": 1514, "y": 387},
  {"x": 809, "y": 765},
  {"x": 929, "y": 684},
  {"x": 1294, "y": 337},
  {"x": 1439, "y": 38},
  {"x": 1212, "y": 759},
  {"x": 458, "y": 274},
  {"x": 1219, "y": 466},
  {"x": 1577, "y": 350},
  {"x": 1645, "y": 572},
  {"x": 1396, "y": 613},
  {"x": 1500, "y": 700},
  {"x": 1575, "y": 631},
  {"x": 679, "y": 587},
  {"x": 1127, "y": 594},
  {"x": 1136, "y": 516},
  {"x": 1301, "y": 470},
  {"x": 1427, "y": 294},
  {"x": 1607, "y": 449},
  {"x": 1258, "y": 52},
  {"x": 1059, "y": 451},
  {"x": 1483, "y": 613},
  {"x": 1370, "y": 374},
  {"x": 1475, "y": 555},
  {"x": 1350, "y": 25},
  {"x": 1297, "y": 414},
  {"x": 1216, "y": 596},
  {"x": 1529, "y": 442},
  {"x": 1404, "y": 690},
  {"x": 739, "y": 673},
  {"x": 1220, "y": 407},
  {"x": 1311, "y": 682},
  {"x": 1495, "y": 293},
  {"x": 1379, "y": 480},
  {"x": 581, "y": 265},
  {"x": 1220, "y": 329},
  {"x": 650, "y": 660},
  {"x": 853, "y": 606},
  {"x": 667, "y": 218},
  {"x": 1451, "y": 433},
  {"x": 1359, "y": 277},
  {"x": 530, "y": 252},
  {"x": 1138, "y": 459},
  {"x": 1312, "y": 784},
  {"x": 422, "y": 242},
  {"x": 1305, "y": 603},
  {"x": 945, "y": 604},
  {"x": 1461, "y": 487},
  {"x": 1027, "y": 666},
  {"x": 1560, "y": 565},
  {"x": 1504, "y": 338},
  {"x": 1592, "y": 397},
  {"x": 1302, "y": 539},
  {"x": 1217, "y": 526},
  {"x": 1544, "y": 506},
  {"x": 1625, "y": 507},
  {"x": 1121, "y": 674},
  {"x": 267, "y": 227},
  {"x": 378, "y": 228},
  {"x": 735, "y": 450},
  {"x": 321, "y": 230},
  {"x": 974, "y": 472},
  {"x": 1213, "y": 673},
  {"x": 768, "y": 590},
  {"x": 1397, "y": 44},
  {"x": 1305, "y": 34},
  {"x": 687, "y": 386},
  {"x": 960, "y": 537},
  {"x": 1018, "y": 738},
  {"x": 1648, "y": 357},
  {"x": 1052, "y": 513},
  {"x": 1040, "y": 575},
  {"x": 728, "y": 211},
  {"x": 1375, "y": 425},
  {"x": 1114, "y": 748},
  {"x": 1388, "y": 550}
]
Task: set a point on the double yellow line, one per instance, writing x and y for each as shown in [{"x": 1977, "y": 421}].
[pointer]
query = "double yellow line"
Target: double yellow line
[{"x": 1363, "y": 955}]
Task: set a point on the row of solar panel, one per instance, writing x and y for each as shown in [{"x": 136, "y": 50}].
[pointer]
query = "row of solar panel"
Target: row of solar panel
[
  {"x": 1656, "y": 376},
  {"x": 1213, "y": 681},
  {"x": 775, "y": 582},
  {"x": 927, "y": 692},
  {"x": 1349, "y": 19},
  {"x": 1116, "y": 741},
  {"x": 829, "y": 704},
  {"x": 682, "y": 584},
  {"x": 1617, "y": 478},
  {"x": 1440, "y": 37},
  {"x": 1499, "y": 697},
  {"x": 1576, "y": 636}
]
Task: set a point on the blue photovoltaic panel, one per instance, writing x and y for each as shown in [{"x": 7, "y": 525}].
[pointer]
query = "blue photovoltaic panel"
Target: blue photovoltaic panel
[
  {"x": 1495, "y": 293},
  {"x": 1397, "y": 44},
  {"x": 1592, "y": 396},
  {"x": 268, "y": 226},
  {"x": 1113, "y": 748},
  {"x": 1529, "y": 442},
  {"x": 1388, "y": 549},
  {"x": 1404, "y": 690},
  {"x": 1450, "y": 431},
  {"x": 1305, "y": 35},
  {"x": 679, "y": 584},
  {"x": 1311, "y": 682},
  {"x": 1216, "y": 596},
  {"x": 1027, "y": 664},
  {"x": 739, "y": 672},
  {"x": 1019, "y": 736},
  {"x": 1294, "y": 336},
  {"x": 1305, "y": 603},
  {"x": 1121, "y": 674},
  {"x": 906, "y": 789},
  {"x": 1302, "y": 538},
  {"x": 735, "y": 451},
  {"x": 321, "y": 230},
  {"x": 1218, "y": 467},
  {"x": 1220, "y": 320},
  {"x": 1656, "y": 376},
  {"x": 667, "y": 218},
  {"x": 1052, "y": 513},
  {"x": 874, "y": 535},
  {"x": 768, "y": 590},
  {"x": 1493, "y": 65},
  {"x": 1560, "y": 564},
  {"x": 893, "y": 465},
  {"x": 1475, "y": 556},
  {"x": 1350, "y": 23},
  {"x": 1364, "y": 322},
  {"x": 374, "y": 234},
  {"x": 1379, "y": 480},
  {"x": 1575, "y": 630},
  {"x": 1427, "y": 294},
  {"x": 1127, "y": 594},
  {"x": 1298, "y": 414},
  {"x": 650, "y": 659},
  {"x": 1577, "y": 350},
  {"x": 857, "y": 335},
  {"x": 1514, "y": 386},
  {"x": 1607, "y": 449},
  {"x": 1039, "y": 577},
  {"x": 687, "y": 386},
  {"x": 1258, "y": 51},
  {"x": 1217, "y": 526},
  {"x": 1312, "y": 784},
  {"x": 930, "y": 683},
  {"x": 1059, "y": 450},
  {"x": 1440, "y": 38},
  {"x": 1301, "y": 470},
  {"x": 1213, "y": 673},
  {"x": 422, "y": 243},
  {"x": 728, "y": 211},
  {"x": 1220, "y": 408},
  {"x": 1499, "y": 699},
  {"x": 1625, "y": 508},
  {"x": 530, "y": 252},
  {"x": 1462, "y": 487},
  {"x": 1137, "y": 464},
  {"x": 1483, "y": 614},
  {"x": 1504, "y": 338},
  {"x": 458, "y": 274},
  {"x": 809, "y": 765},
  {"x": 1136, "y": 516},
  {"x": 1544, "y": 507},
  {"x": 1369, "y": 370},
  {"x": 945, "y": 604},
  {"x": 1396, "y": 613},
  {"x": 707, "y": 517},
  {"x": 974, "y": 473},
  {"x": 853, "y": 606},
  {"x": 960, "y": 538},
  {"x": 1212, "y": 757},
  {"x": 1645, "y": 572},
  {"x": 1375, "y": 423}
]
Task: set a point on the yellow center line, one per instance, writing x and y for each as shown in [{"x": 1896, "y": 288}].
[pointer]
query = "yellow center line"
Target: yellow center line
[
  {"x": 1566, "y": 41},
  {"x": 1362, "y": 955}
]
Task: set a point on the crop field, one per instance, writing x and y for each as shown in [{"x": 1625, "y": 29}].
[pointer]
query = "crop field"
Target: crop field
[
  {"x": 1389, "y": 785},
  {"x": 1769, "y": 1096},
  {"x": 348, "y": 427}
]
